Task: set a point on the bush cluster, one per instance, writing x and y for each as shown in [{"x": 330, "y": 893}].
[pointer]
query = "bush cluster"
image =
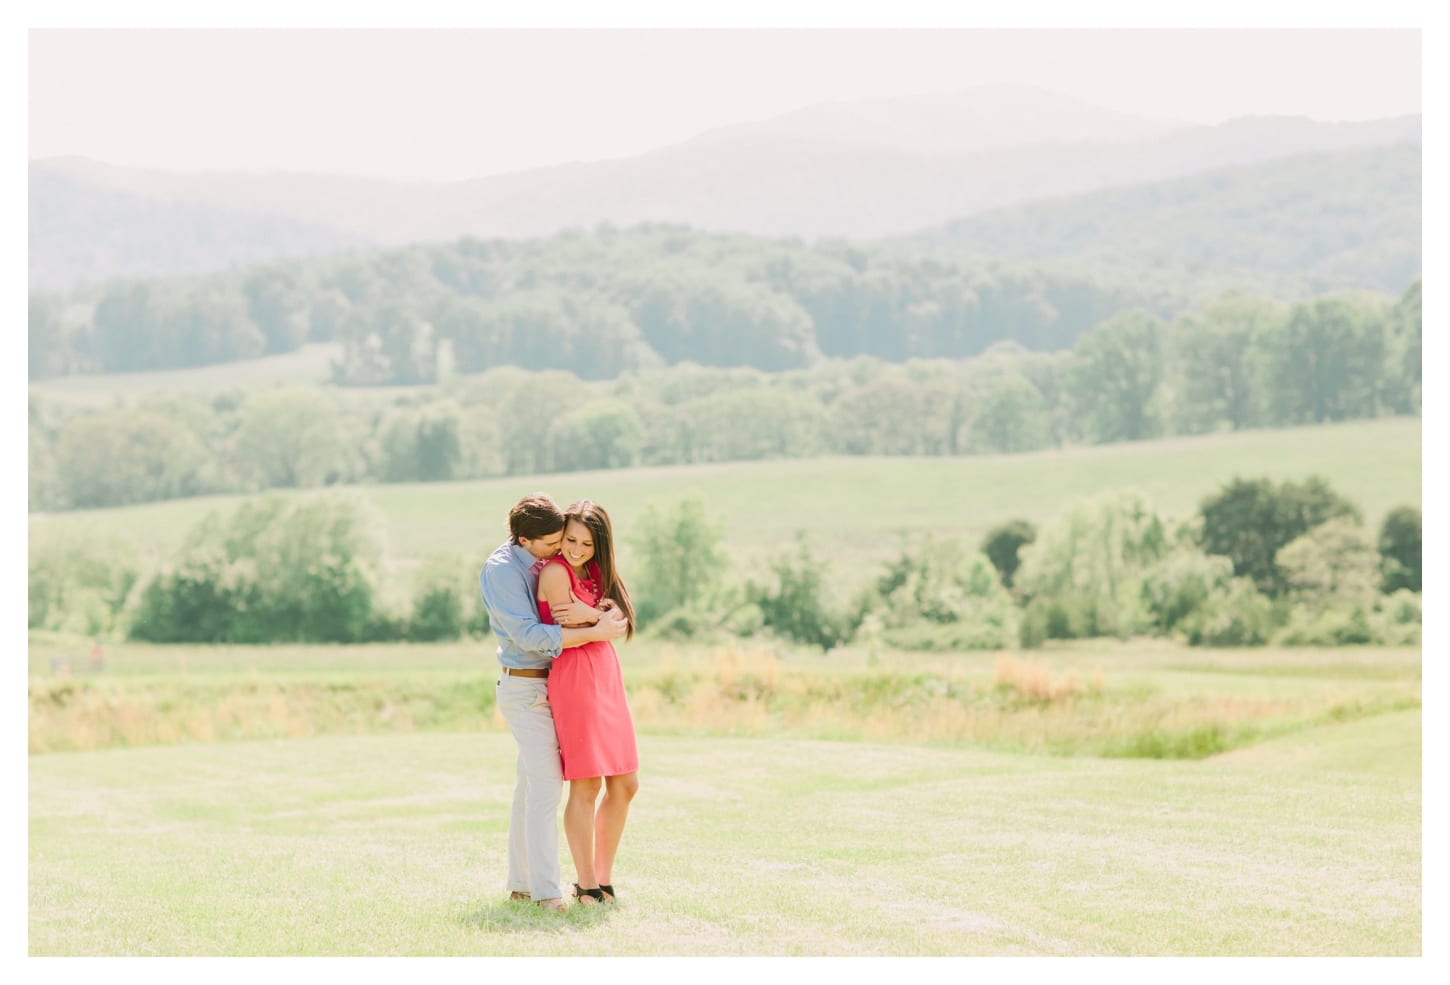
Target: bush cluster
[{"x": 312, "y": 568}]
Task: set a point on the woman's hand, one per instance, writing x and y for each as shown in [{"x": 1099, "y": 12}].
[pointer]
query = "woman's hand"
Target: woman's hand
[{"x": 575, "y": 613}]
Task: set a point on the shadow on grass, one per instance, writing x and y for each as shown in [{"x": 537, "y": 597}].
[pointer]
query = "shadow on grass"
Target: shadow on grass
[{"x": 517, "y": 917}]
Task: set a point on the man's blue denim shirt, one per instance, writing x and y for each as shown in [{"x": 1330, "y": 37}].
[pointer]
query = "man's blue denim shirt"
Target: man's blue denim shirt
[{"x": 509, "y": 585}]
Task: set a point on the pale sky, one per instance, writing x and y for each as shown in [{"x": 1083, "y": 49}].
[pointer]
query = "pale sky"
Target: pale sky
[{"x": 451, "y": 104}]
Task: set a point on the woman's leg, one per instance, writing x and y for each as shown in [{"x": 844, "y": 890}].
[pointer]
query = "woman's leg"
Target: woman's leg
[
  {"x": 579, "y": 828},
  {"x": 609, "y": 822}
]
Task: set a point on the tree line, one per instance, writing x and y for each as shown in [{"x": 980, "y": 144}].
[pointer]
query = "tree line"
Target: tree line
[
  {"x": 1236, "y": 362},
  {"x": 1289, "y": 563},
  {"x": 603, "y": 303}
]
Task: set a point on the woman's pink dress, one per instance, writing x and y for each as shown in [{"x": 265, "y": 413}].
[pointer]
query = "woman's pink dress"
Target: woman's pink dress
[{"x": 586, "y": 692}]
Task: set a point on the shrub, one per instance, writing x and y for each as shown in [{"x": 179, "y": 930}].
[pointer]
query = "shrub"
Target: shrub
[
  {"x": 281, "y": 568},
  {"x": 1238, "y": 615},
  {"x": 1396, "y": 619},
  {"x": 1331, "y": 625},
  {"x": 439, "y": 606},
  {"x": 1335, "y": 560},
  {"x": 940, "y": 597},
  {"x": 1070, "y": 616},
  {"x": 794, "y": 606},
  {"x": 679, "y": 558},
  {"x": 1180, "y": 584},
  {"x": 79, "y": 582}
]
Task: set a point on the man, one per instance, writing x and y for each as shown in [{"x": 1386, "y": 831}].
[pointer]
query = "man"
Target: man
[{"x": 527, "y": 647}]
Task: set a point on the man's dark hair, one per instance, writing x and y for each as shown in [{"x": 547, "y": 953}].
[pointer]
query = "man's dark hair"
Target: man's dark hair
[{"x": 533, "y": 517}]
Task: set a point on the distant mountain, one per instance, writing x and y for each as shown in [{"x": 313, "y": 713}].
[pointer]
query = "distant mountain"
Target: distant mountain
[
  {"x": 1340, "y": 219},
  {"x": 856, "y": 170},
  {"x": 83, "y": 232},
  {"x": 983, "y": 118}
]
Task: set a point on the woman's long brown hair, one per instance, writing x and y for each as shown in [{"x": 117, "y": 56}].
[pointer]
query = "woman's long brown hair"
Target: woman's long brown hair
[{"x": 593, "y": 516}]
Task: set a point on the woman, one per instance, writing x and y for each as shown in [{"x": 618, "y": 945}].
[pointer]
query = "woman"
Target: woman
[{"x": 586, "y": 692}]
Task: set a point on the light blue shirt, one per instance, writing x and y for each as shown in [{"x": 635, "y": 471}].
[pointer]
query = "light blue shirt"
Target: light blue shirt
[{"x": 510, "y": 586}]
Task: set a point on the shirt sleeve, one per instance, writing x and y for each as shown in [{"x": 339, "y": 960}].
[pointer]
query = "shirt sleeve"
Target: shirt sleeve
[{"x": 513, "y": 612}]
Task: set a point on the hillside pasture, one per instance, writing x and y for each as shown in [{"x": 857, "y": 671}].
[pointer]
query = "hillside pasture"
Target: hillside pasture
[{"x": 854, "y": 512}]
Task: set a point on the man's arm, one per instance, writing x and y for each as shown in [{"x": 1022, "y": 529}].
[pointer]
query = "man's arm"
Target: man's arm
[
  {"x": 514, "y": 613},
  {"x": 611, "y": 626}
]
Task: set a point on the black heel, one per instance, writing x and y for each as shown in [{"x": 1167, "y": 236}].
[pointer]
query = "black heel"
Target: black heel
[
  {"x": 608, "y": 892},
  {"x": 594, "y": 895}
]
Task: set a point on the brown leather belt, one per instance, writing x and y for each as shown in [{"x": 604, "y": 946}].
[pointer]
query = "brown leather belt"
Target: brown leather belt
[{"x": 524, "y": 672}]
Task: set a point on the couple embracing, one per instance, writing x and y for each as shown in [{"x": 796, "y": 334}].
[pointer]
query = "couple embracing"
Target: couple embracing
[{"x": 556, "y": 603}]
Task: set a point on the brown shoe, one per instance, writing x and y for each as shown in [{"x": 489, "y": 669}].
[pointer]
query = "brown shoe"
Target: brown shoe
[
  {"x": 518, "y": 897},
  {"x": 554, "y": 905}
]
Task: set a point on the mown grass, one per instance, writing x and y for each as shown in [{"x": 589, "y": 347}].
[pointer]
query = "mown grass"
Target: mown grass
[
  {"x": 855, "y": 510},
  {"x": 394, "y": 845},
  {"x": 1092, "y": 699}
]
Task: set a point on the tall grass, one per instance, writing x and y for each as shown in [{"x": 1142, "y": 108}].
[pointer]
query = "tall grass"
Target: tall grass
[{"x": 742, "y": 691}]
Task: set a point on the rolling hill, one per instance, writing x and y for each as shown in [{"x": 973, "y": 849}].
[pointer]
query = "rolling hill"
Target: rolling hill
[
  {"x": 856, "y": 170},
  {"x": 1342, "y": 219},
  {"x": 81, "y": 231}
]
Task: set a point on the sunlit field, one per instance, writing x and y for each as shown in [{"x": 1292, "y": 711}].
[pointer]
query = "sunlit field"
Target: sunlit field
[
  {"x": 1091, "y": 798},
  {"x": 393, "y": 844}
]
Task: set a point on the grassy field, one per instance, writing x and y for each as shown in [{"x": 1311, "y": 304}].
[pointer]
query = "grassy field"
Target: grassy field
[
  {"x": 854, "y": 510},
  {"x": 394, "y": 845},
  {"x": 310, "y": 365},
  {"x": 353, "y": 801}
]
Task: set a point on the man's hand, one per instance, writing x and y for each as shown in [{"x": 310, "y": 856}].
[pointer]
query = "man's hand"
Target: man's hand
[{"x": 613, "y": 625}]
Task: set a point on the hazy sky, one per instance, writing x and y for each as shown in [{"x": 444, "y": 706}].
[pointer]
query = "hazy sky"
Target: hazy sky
[{"x": 449, "y": 104}]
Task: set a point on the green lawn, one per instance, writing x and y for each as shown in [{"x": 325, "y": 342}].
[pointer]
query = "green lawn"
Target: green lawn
[
  {"x": 853, "y": 510},
  {"x": 394, "y": 845}
]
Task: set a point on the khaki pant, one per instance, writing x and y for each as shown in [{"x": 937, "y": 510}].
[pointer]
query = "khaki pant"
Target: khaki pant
[{"x": 533, "y": 821}]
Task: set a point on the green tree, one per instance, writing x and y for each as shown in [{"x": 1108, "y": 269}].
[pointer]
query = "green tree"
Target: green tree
[
  {"x": 113, "y": 458},
  {"x": 279, "y": 304},
  {"x": 79, "y": 581},
  {"x": 1221, "y": 378},
  {"x": 1327, "y": 361},
  {"x": 1333, "y": 560},
  {"x": 292, "y": 438},
  {"x": 1003, "y": 545},
  {"x": 678, "y": 558},
  {"x": 1010, "y": 415},
  {"x": 1094, "y": 554},
  {"x": 420, "y": 444},
  {"x": 941, "y": 596},
  {"x": 1116, "y": 376},
  {"x": 1249, "y": 520},
  {"x": 1402, "y": 372},
  {"x": 602, "y": 434},
  {"x": 441, "y": 608},
  {"x": 281, "y": 568},
  {"x": 1399, "y": 550},
  {"x": 794, "y": 604}
]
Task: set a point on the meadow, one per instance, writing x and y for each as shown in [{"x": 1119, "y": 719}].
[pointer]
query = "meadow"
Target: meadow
[
  {"x": 353, "y": 801},
  {"x": 854, "y": 511},
  {"x": 1102, "y": 797}
]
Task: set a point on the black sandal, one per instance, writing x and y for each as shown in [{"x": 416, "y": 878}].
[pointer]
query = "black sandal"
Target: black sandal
[
  {"x": 608, "y": 892},
  {"x": 580, "y": 894}
]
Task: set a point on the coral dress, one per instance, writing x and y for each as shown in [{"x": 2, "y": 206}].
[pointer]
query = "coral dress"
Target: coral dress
[{"x": 586, "y": 692}]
